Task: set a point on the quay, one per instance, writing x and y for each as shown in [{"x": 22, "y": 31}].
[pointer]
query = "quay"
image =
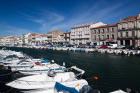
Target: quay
[{"x": 127, "y": 52}]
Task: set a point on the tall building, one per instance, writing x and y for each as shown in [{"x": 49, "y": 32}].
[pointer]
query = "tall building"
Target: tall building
[
  {"x": 129, "y": 31},
  {"x": 104, "y": 34},
  {"x": 82, "y": 34}
]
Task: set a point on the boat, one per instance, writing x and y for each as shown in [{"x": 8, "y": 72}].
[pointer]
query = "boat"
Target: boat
[
  {"x": 40, "y": 68},
  {"x": 21, "y": 64},
  {"x": 50, "y": 83},
  {"x": 118, "y": 91}
]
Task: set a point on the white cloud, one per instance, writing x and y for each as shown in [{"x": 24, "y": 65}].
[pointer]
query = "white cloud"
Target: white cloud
[
  {"x": 49, "y": 20},
  {"x": 45, "y": 19}
]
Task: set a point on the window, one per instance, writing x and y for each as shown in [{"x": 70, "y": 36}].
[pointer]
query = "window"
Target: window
[
  {"x": 112, "y": 29},
  {"x": 121, "y": 34},
  {"x": 99, "y": 37},
  {"x": 95, "y": 37},
  {"x": 126, "y": 34},
  {"x": 107, "y": 36},
  {"x": 102, "y": 36},
  {"x": 103, "y": 30},
  {"x": 95, "y": 31},
  {"x": 99, "y": 31},
  {"x": 112, "y": 36}
]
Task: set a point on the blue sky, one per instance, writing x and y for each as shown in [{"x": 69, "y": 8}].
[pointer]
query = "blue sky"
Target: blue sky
[{"x": 40, "y": 16}]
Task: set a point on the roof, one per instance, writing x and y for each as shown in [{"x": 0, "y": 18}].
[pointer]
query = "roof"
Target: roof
[
  {"x": 97, "y": 25},
  {"x": 105, "y": 26},
  {"x": 81, "y": 25},
  {"x": 130, "y": 18},
  {"x": 67, "y": 32}
]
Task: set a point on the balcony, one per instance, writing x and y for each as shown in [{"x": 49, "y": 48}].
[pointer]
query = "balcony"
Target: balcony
[
  {"x": 128, "y": 29},
  {"x": 134, "y": 37}
]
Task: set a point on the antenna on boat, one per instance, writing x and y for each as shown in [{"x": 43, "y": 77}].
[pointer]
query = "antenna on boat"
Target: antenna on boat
[{"x": 64, "y": 64}]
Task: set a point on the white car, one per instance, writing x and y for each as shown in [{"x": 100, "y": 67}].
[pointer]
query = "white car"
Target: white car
[{"x": 112, "y": 46}]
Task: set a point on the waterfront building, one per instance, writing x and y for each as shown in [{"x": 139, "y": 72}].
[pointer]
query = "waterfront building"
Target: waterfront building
[
  {"x": 19, "y": 40},
  {"x": 35, "y": 39},
  {"x": 82, "y": 34},
  {"x": 104, "y": 34},
  {"x": 9, "y": 41},
  {"x": 67, "y": 37},
  {"x": 26, "y": 39},
  {"x": 129, "y": 31},
  {"x": 55, "y": 37}
]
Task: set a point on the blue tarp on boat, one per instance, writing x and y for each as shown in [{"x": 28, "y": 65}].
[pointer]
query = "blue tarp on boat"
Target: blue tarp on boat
[{"x": 59, "y": 87}]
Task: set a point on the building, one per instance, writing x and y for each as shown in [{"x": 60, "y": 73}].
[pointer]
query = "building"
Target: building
[
  {"x": 104, "y": 34},
  {"x": 67, "y": 37},
  {"x": 129, "y": 31},
  {"x": 56, "y": 37},
  {"x": 82, "y": 34},
  {"x": 26, "y": 39},
  {"x": 9, "y": 41},
  {"x": 35, "y": 39},
  {"x": 20, "y": 41}
]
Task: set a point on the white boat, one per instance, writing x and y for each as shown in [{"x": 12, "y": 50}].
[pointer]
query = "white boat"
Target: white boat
[
  {"x": 46, "y": 83},
  {"x": 22, "y": 64},
  {"x": 42, "y": 68},
  {"x": 5, "y": 53},
  {"x": 9, "y": 61},
  {"x": 118, "y": 91}
]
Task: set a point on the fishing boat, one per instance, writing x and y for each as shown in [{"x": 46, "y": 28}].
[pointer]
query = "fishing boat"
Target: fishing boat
[{"x": 50, "y": 83}]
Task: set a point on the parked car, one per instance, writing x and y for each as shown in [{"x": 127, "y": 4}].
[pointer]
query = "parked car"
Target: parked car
[
  {"x": 112, "y": 46},
  {"x": 104, "y": 47}
]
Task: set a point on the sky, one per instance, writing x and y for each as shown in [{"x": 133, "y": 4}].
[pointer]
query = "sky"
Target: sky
[{"x": 19, "y": 17}]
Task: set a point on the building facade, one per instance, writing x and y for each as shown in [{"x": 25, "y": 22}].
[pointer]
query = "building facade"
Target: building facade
[
  {"x": 35, "y": 39},
  {"x": 9, "y": 41},
  {"x": 80, "y": 34},
  {"x": 129, "y": 31},
  {"x": 103, "y": 35},
  {"x": 56, "y": 37},
  {"x": 67, "y": 37}
]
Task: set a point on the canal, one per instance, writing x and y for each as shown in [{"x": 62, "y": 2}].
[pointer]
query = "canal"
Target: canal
[{"x": 112, "y": 72}]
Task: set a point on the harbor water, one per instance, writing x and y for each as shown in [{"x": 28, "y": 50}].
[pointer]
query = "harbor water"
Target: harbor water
[{"x": 103, "y": 71}]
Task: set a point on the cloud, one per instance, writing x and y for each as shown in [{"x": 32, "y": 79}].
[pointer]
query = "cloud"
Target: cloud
[
  {"x": 12, "y": 30},
  {"x": 50, "y": 20},
  {"x": 91, "y": 15},
  {"x": 45, "y": 19}
]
